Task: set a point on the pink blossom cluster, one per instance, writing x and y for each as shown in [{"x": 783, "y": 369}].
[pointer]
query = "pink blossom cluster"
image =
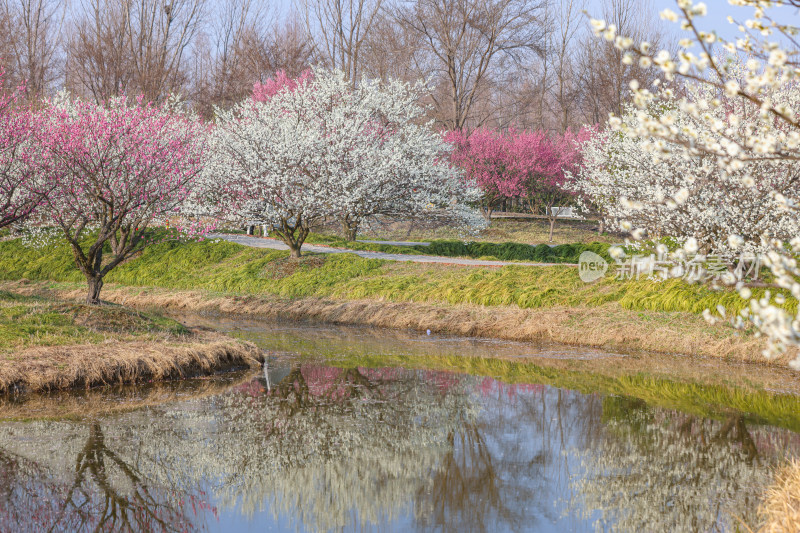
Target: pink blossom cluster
[
  {"x": 18, "y": 196},
  {"x": 516, "y": 163},
  {"x": 281, "y": 81},
  {"x": 116, "y": 164}
]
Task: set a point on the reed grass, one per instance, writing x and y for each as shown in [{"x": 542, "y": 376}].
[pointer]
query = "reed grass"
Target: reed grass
[
  {"x": 781, "y": 506},
  {"x": 46, "y": 344}
]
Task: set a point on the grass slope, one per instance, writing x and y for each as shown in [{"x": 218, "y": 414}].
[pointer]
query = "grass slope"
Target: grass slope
[
  {"x": 27, "y": 321},
  {"x": 50, "y": 345},
  {"x": 223, "y": 267}
]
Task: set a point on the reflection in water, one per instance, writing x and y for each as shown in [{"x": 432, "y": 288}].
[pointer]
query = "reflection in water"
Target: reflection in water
[
  {"x": 667, "y": 471},
  {"x": 316, "y": 447},
  {"x": 101, "y": 490}
]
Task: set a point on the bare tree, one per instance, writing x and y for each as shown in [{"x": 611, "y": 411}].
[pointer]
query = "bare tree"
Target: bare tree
[
  {"x": 566, "y": 87},
  {"x": 243, "y": 45},
  {"x": 339, "y": 30},
  {"x": 217, "y": 57},
  {"x": 392, "y": 50},
  {"x": 605, "y": 79},
  {"x": 31, "y": 41},
  {"x": 7, "y": 41},
  {"x": 468, "y": 42},
  {"x": 134, "y": 46},
  {"x": 283, "y": 47}
]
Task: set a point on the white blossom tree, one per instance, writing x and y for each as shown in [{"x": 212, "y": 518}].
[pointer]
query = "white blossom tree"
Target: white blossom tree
[
  {"x": 318, "y": 148},
  {"x": 686, "y": 195},
  {"x": 771, "y": 134}
]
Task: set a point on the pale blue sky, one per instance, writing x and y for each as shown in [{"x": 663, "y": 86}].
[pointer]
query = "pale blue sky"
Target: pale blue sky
[{"x": 718, "y": 11}]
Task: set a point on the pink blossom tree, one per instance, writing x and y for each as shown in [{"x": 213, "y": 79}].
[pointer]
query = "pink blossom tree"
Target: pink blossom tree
[
  {"x": 116, "y": 170},
  {"x": 18, "y": 196},
  {"x": 529, "y": 164},
  {"x": 549, "y": 162},
  {"x": 486, "y": 157}
]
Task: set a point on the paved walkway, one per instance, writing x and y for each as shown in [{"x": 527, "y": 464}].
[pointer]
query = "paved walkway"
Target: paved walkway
[
  {"x": 261, "y": 242},
  {"x": 397, "y": 243}
]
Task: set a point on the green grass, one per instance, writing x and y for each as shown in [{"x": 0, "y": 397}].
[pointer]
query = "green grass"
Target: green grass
[
  {"x": 223, "y": 267},
  {"x": 506, "y": 251},
  {"x": 32, "y": 321}
]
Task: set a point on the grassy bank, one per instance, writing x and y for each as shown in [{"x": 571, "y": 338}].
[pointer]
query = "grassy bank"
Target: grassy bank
[
  {"x": 227, "y": 268},
  {"x": 781, "y": 505},
  {"x": 513, "y": 302},
  {"x": 52, "y": 345}
]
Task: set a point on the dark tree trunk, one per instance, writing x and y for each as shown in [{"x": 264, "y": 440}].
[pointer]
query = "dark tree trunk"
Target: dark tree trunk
[
  {"x": 294, "y": 251},
  {"x": 349, "y": 228},
  {"x": 95, "y": 284}
]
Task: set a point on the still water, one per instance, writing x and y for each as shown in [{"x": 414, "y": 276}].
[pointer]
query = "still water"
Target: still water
[{"x": 313, "y": 443}]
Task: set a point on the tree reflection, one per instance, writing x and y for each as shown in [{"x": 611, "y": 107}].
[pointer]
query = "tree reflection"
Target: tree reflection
[
  {"x": 501, "y": 469},
  {"x": 337, "y": 448},
  {"x": 103, "y": 492},
  {"x": 668, "y": 471},
  {"x": 332, "y": 444}
]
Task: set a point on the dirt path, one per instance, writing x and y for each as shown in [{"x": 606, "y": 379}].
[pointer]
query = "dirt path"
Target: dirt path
[{"x": 261, "y": 242}]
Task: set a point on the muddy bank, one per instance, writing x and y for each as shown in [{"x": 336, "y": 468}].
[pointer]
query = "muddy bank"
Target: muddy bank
[
  {"x": 608, "y": 326},
  {"x": 49, "y": 368}
]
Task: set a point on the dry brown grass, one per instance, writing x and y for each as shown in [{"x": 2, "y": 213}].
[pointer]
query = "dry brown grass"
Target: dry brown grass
[
  {"x": 781, "y": 505},
  {"x": 608, "y": 326},
  {"x": 50, "y": 368}
]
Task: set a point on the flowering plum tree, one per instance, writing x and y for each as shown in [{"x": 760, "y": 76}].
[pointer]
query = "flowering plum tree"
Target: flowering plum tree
[
  {"x": 116, "y": 170},
  {"x": 486, "y": 158},
  {"x": 676, "y": 193},
  {"x": 280, "y": 82},
  {"x": 529, "y": 164},
  {"x": 737, "y": 142},
  {"x": 18, "y": 195},
  {"x": 314, "y": 148},
  {"x": 549, "y": 163}
]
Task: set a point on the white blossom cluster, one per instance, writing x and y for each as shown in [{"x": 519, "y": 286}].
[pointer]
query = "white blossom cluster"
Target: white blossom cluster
[
  {"x": 683, "y": 193},
  {"x": 327, "y": 150},
  {"x": 743, "y": 115}
]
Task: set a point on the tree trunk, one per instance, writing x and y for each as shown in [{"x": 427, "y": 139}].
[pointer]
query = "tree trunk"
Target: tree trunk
[
  {"x": 601, "y": 227},
  {"x": 552, "y": 225},
  {"x": 294, "y": 251},
  {"x": 349, "y": 228},
  {"x": 93, "y": 296}
]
